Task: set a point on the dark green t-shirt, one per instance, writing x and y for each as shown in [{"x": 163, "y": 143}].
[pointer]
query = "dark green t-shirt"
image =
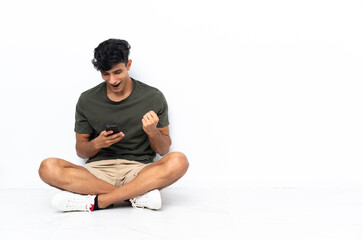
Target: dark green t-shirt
[{"x": 94, "y": 109}]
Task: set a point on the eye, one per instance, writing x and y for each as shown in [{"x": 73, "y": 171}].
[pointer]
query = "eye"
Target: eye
[
  {"x": 105, "y": 73},
  {"x": 118, "y": 72}
]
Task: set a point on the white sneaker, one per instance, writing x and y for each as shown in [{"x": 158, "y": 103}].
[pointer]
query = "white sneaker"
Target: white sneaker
[
  {"x": 151, "y": 200},
  {"x": 66, "y": 201}
]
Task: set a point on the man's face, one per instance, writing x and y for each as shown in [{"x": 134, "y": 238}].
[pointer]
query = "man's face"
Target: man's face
[{"x": 117, "y": 77}]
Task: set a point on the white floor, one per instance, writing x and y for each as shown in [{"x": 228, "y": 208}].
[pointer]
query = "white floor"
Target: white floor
[{"x": 247, "y": 213}]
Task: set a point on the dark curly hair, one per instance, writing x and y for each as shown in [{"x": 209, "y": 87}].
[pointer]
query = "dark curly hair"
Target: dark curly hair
[{"x": 110, "y": 53}]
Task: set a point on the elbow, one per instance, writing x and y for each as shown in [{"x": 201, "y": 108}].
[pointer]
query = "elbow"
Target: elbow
[
  {"x": 83, "y": 156},
  {"x": 163, "y": 151},
  {"x": 80, "y": 153}
]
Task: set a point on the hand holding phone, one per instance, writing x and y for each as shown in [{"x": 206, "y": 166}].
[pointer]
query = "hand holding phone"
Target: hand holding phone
[
  {"x": 105, "y": 140},
  {"x": 113, "y": 128}
]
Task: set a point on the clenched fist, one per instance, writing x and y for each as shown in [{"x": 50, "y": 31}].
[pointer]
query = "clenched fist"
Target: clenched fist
[{"x": 149, "y": 122}]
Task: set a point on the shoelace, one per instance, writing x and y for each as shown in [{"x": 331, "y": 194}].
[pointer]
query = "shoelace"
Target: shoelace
[
  {"x": 138, "y": 202},
  {"x": 80, "y": 203}
]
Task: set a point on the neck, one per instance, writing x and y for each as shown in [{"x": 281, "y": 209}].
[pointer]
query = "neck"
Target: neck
[{"x": 121, "y": 95}]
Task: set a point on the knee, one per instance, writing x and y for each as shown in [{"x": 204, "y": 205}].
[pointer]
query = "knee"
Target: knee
[
  {"x": 48, "y": 168},
  {"x": 179, "y": 161}
]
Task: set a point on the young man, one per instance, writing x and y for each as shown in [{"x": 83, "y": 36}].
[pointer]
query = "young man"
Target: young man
[{"x": 120, "y": 161}]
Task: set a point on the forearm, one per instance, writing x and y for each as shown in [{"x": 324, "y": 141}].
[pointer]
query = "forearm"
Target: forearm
[
  {"x": 159, "y": 143},
  {"x": 87, "y": 149}
]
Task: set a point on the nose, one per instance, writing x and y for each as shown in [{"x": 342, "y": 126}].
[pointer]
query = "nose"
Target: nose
[{"x": 113, "y": 79}]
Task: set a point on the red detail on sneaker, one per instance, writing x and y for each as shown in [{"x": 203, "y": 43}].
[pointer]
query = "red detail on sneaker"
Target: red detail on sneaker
[{"x": 92, "y": 207}]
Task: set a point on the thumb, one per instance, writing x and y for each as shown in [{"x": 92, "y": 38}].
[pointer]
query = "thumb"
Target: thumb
[{"x": 104, "y": 133}]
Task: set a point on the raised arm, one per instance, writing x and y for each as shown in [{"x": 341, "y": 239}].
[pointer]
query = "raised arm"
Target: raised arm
[{"x": 159, "y": 137}]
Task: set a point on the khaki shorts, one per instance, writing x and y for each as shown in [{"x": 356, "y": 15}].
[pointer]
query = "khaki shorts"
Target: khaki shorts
[{"x": 117, "y": 172}]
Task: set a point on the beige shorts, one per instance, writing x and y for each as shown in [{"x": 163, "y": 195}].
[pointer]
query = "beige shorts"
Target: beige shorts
[{"x": 117, "y": 172}]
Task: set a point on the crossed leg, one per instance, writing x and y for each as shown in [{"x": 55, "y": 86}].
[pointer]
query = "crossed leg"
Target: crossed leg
[{"x": 70, "y": 177}]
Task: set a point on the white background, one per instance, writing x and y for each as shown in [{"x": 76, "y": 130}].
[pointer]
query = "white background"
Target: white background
[{"x": 261, "y": 93}]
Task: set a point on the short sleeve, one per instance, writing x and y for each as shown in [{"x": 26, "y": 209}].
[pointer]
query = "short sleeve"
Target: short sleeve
[
  {"x": 81, "y": 123},
  {"x": 162, "y": 113}
]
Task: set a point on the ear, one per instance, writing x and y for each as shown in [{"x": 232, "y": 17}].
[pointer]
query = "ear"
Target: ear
[{"x": 128, "y": 65}]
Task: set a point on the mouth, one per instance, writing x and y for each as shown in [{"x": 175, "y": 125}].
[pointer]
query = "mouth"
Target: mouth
[{"x": 115, "y": 85}]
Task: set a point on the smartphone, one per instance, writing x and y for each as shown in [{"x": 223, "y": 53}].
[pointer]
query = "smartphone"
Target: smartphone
[{"x": 113, "y": 127}]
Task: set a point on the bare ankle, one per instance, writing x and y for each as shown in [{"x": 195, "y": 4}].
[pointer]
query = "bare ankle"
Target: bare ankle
[{"x": 101, "y": 202}]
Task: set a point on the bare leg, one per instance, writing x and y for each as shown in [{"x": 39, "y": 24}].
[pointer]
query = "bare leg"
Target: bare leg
[
  {"x": 157, "y": 175},
  {"x": 67, "y": 176}
]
